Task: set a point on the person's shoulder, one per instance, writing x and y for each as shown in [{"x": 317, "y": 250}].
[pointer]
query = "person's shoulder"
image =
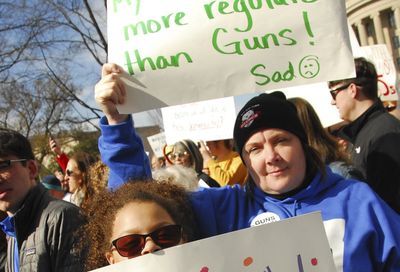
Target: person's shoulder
[
  {"x": 59, "y": 208},
  {"x": 358, "y": 190},
  {"x": 387, "y": 122},
  {"x": 224, "y": 191},
  {"x": 235, "y": 154},
  {"x": 236, "y": 157},
  {"x": 346, "y": 170},
  {"x": 384, "y": 126}
]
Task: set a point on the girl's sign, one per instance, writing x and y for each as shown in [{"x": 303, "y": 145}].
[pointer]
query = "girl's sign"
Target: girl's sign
[{"x": 298, "y": 244}]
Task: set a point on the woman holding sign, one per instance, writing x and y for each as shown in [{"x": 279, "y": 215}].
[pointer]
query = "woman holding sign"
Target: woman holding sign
[{"x": 287, "y": 177}]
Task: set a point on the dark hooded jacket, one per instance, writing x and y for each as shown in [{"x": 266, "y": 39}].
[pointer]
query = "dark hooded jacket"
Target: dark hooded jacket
[{"x": 375, "y": 138}]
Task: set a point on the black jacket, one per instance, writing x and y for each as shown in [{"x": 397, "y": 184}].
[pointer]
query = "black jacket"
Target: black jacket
[
  {"x": 46, "y": 233},
  {"x": 375, "y": 138}
]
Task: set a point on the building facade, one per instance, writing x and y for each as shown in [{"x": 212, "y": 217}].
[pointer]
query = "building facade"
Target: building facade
[{"x": 376, "y": 22}]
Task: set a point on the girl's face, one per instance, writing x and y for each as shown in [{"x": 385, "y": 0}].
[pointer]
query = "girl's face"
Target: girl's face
[
  {"x": 142, "y": 218},
  {"x": 73, "y": 176},
  {"x": 276, "y": 160}
]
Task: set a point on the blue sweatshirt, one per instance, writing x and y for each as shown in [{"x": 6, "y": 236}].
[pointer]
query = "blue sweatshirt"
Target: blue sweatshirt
[
  {"x": 122, "y": 148},
  {"x": 363, "y": 232}
]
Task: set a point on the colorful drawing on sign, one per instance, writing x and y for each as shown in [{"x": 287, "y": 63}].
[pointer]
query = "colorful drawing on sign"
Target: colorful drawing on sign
[
  {"x": 379, "y": 55},
  {"x": 384, "y": 88},
  {"x": 248, "y": 261}
]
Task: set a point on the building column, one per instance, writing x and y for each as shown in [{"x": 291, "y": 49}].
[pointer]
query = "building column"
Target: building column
[
  {"x": 378, "y": 28},
  {"x": 396, "y": 11},
  {"x": 362, "y": 32}
]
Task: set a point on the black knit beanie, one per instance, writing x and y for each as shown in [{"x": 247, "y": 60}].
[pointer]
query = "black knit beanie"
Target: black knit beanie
[{"x": 266, "y": 111}]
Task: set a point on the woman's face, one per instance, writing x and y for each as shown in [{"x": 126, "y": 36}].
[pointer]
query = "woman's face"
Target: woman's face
[
  {"x": 140, "y": 218},
  {"x": 275, "y": 160},
  {"x": 73, "y": 176},
  {"x": 180, "y": 156}
]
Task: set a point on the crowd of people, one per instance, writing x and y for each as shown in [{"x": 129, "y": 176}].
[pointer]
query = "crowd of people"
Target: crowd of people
[{"x": 281, "y": 162}]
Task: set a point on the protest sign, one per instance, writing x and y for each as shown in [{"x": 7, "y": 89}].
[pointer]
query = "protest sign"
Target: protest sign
[
  {"x": 379, "y": 55},
  {"x": 206, "y": 120},
  {"x": 214, "y": 119},
  {"x": 296, "y": 244},
  {"x": 157, "y": 143},
  {"x": 183, "y": 51},
  {"x": 319, "y": 97}
]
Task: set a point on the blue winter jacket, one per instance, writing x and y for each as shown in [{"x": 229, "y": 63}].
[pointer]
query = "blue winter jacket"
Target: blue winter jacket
[{"x": 363, "y": 232}]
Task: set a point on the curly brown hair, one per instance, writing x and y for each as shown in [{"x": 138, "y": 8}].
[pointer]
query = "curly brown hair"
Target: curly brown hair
[
  {"x": 98, "y": 173},
  {"x": 101, "y": 214}
]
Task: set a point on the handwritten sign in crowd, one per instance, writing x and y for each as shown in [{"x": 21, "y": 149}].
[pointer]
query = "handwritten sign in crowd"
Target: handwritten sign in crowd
[
  {"x": 205, "y": 120},
  {"x": 183, "y": 51},
  {"x": 157, "y": 143},
  {"x": 298, "y": 244},
  {"x": 379, "y": 55}
]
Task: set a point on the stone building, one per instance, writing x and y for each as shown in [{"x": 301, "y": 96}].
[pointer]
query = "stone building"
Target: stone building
[{"x": 376, "y": 22}]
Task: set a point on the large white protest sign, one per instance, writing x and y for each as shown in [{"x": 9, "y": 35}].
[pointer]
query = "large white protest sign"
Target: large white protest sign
[
  {"x": 379, "y": 55},
  {"x": 295, "y": 244},
  {"x": 205, "y": 120},
  {"x": 183, "y": 51}
]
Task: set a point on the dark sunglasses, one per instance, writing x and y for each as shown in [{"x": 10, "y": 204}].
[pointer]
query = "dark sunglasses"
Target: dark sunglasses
[
  {"x": 69, "y": 173},
  {"x": 7, "y": 163},
  {"x": 177, "y": 155},
  {"x": 132, "y": 245},
  {"x": 335, "y": 91}
]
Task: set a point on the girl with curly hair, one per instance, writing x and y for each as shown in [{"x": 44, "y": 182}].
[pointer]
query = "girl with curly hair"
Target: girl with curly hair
[{"x": 139, "y": 218}]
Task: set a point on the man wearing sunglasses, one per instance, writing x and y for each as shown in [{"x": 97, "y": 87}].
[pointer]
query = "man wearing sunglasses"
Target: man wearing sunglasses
[
  {"x": 372, "y": 131},
  {"x": 39, "y": 228}
]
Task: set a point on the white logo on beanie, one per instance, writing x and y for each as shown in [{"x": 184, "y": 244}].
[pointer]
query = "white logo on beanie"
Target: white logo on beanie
[{"x": 248, "y": 118}]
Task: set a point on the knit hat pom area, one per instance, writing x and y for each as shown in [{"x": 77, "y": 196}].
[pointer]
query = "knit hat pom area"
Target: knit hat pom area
[{"x": 266, "y": 111}]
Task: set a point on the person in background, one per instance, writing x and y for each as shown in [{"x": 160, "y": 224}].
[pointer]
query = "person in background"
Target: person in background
[
  {"x": 62, "y": 161},
  {"x": 287, "y": 178},
  {"x": 61, "y": 157},
  {"x": 40, "y": 229},
  {"x": 53, "y": 185},
  {"x": 60, "y": 176},
  {"x": 138, "y": 218},
  {"x": 78, "y": 178},
  {"x": 187, "y": 154},
  {"x": 157, "y": 162},
  {"x": 372, "y": 131},
  {"x": 320, "y": 139},
  {"x": 223, "y": 164}
]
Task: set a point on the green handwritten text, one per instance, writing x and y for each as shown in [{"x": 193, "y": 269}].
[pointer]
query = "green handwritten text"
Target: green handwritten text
[
  {"x": 152, "y": 25},
  {"x": 137, "y": 62},
  {"x": 116, "y": 3},
  {"x": 259, "y": 71},
  {"x": 214, "y": 8},
  {"x": 262, "y": 42}
]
